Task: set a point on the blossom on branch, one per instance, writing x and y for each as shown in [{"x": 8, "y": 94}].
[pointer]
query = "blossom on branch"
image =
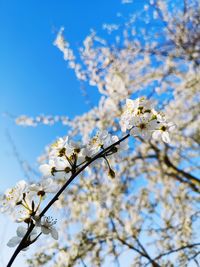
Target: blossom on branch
[
  {"x": 163, "y": 131},
  {"x": 46, "y": 225},
  {"x": 12, "y": 197},
  {"x": 21, "y": 231},
  {"x": 45, "y": 186},
  {"x": 141, "y": 119}
]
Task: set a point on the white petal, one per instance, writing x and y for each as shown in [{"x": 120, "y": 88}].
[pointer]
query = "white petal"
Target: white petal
[
  {"x": 165, "y": 137},
  {"x": 34, "y": 187},
  {"x": 45, "y": 230},
  {"x": 147, "y": 135},
  {"x": 47, "y": 182},
  {"x": 13, "y": 241},
  {"x": 135, "y": 131},
  {"x": 45, "y": 169},
  {"x": 59, "y": 175},
  {"x": 129, "y": 101},
  {"x": 61, "y": 164},
  {"x": 123, "y": 128},
  {"x": 131, "y": 104},
  {"x": 52, "y": 189},
  {"x": 21, "y": 231},
  {"x": 156, "y": 134},
  {"x": 115, "y": 138},
  {"x": 171, "y": 126},
  {"x": 49, "y": 186},
  {"x": 103, "y": 134},
  {"x": 21, "y": 184},
  {"x": 54, "y": 233},
  {"x": 152, "y": 125}
]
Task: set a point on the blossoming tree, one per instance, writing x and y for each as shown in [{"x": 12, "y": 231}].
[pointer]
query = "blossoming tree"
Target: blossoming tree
[{"x": 135, "y": 187}]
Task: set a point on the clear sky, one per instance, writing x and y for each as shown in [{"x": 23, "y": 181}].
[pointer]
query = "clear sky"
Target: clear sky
[{"x": 34, "y": 78}]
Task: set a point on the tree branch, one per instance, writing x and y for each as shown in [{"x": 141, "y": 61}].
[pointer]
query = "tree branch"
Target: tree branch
[{"x": 55, "y": 198}]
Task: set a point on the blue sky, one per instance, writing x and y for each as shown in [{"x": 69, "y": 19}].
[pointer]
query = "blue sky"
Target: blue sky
[{"x": 34, "y": 78}]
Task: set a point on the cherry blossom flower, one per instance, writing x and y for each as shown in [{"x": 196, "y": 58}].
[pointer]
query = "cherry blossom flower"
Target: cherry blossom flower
[
  {"x": 45, "y": 186},
  {"x": 122, "y": 146},
  {"x": 13, "y": 196},
  {"x": 64, "y": 46},
  {"x": 22, "y": 214},
  {"x": 144, "y": 126},
  {"x": 142, "y": 120},
  {"x": 115, "y": 85},
  {"x": 47, "y": 169},
  {"x": 55, "y": 149},
  {"x": 57, "y": 168},
  {"x": 21, "y": 231},
  {"x": 100, "y": 141},
  {"x": 67, "y": 149},
  {"x": 134, "y": 111},
  {"x": 163, "y": 132},
  {"x": 47, "y": 226}
]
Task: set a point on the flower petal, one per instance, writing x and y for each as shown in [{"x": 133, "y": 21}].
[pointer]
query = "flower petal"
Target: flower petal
[
  {"x": 45, "y": 169},
  {"x": 156, "y": 134},
  {"x": 21, "y": 231},
  {"x": 34, "y": 187},
  {"x": 45, "y": 230},
  {"x": 135, "y": 131},
  {"x": 13, "y": 241},
  {"x": 54, "y": 233},
  {"x": 165, "y": 137}
]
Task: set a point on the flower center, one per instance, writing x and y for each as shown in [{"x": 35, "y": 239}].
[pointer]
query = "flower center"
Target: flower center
[
  {"x": 163, "y": 128},
  {"x": 142, "y": 126},
  {"x": 62, "y": 152}
]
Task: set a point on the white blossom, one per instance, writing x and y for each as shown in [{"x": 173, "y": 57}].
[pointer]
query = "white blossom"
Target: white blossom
[
  {"x": 163, "y": 132},
  {"x": 45, "y": 186},
  {"x": 12, "y": 197},
  {"x": 144, "y": 126},
  {"x": 21, "y": 231},
  {"x": 56, "y": 168},
  {"x": 46, "y": 225}
]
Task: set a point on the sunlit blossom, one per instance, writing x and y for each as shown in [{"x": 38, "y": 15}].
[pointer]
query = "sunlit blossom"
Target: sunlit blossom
[
  {"x": 46, "y": 225},
  {"x": 13, "y": 196}
]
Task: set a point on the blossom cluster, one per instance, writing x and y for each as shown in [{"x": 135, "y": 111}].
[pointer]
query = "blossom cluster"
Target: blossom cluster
[
  {"x": 141, "y": 119},
  {"x": 23, "y": 203},
  {"x": 25, "y": 120},
  {"x": 67, "y": 157}
]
